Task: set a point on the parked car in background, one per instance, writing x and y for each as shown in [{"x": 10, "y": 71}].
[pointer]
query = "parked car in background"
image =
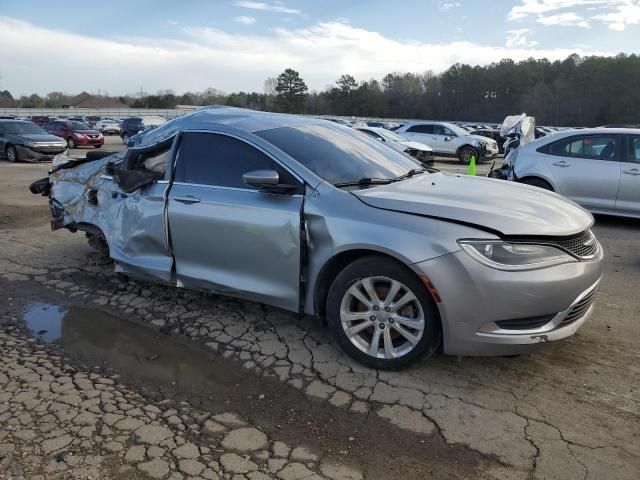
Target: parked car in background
[
  {"x": 449, "y": 140},
  {"x": 108, "y": 127},
  {"x": 25, "y": 141},
  {"x": 134, "y": 125},
  {"x": 40, "y": 120},
  {"x": 492, "y": 133},
  {"x": 598, "y": 168},
  {"x": 383, "y": 124},
  {"x": 316, "y": 218},
  {"x": 91, "y": 120},
  {"x": 76, "y": 134},
  {"x": 421, "y": 152}
]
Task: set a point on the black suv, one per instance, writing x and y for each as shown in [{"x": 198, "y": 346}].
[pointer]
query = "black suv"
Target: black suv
[{"x": 129, "y": 127}]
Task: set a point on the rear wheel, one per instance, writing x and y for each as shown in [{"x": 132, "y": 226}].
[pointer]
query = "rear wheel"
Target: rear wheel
[
  {"x": 538, "y": 182},
  {"x": 465, "y": 154},
  {"x": 381, "y": 314},
  {"x": 12, "y": 153}
]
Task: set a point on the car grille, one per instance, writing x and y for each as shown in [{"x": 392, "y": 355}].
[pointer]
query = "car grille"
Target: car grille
[
  {"x": 578, "y": 310},
  {"x": 49, "y": 148},
  {"x": 583, "y": 246}
]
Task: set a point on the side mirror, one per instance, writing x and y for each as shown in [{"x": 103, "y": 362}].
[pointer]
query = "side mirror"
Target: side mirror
[
  {"x": 261, "y": 178},
  {"x": 447, "y": 139}
]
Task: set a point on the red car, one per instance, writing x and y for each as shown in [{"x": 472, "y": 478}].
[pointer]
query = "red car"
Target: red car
[{"x": 77, "y": 134}]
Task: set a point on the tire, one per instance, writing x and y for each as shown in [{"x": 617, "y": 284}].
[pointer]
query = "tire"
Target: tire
[
  {"x": 97, "y": 146},
  {"x": 378, "y": 319},
  {"x": 71, "y": 143},
  {"x": 125, "y": 138},
  {"x": 12, "y": 154},
  {"x": 538, "y": 182},
  {"x": 465, "y": 153}
]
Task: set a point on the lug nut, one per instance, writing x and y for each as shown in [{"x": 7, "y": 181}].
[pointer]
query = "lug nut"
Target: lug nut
[
  {"x": 387, "y": 309},
  {"x": 391, "y": 320},
  {"x": 372, "y": 318},
  {"x": 376, "y": 308},
  {"x": 381, "y": 326}
]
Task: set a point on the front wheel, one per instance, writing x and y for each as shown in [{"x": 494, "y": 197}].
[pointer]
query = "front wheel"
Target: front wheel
[
  {"x": 12, "y": 154},
  {"x": 382, "y": 315},
  {"x": 465, "y": 154},
  {"x": 125, "y": 138},
  {"x": 71, "y": 143}
]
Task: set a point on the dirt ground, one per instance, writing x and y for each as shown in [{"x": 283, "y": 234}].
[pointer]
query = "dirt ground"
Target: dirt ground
[{"x": 571, "y": 411}]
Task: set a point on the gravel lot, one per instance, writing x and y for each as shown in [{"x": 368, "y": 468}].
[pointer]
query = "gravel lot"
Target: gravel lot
[{"x": 147, "y": 381}]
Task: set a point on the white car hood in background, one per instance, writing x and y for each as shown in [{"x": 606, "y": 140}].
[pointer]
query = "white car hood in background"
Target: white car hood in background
[
  {"x": 505, "y": 207},
  {"x": 416, "y": 145}
]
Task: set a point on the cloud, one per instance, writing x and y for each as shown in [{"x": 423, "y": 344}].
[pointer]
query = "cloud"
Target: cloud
[
  {"x": 208, "y": 57},
  {"x": 518, "y": 38},
  {"x": 445, "y": 5},
  {"x": 569, "y": 19},
  {"x": 621, "y": 16},
  {"x": 267, "y": 7},
  {"x": 245, "y": 20},
  {"x": 173, "y": 22},
  {"x": 618, "y": 14}
]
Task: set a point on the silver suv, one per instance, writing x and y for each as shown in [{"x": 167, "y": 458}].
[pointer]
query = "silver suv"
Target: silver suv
[
  {"x": 449, "y": 140},
  {"x": 316, "y": 218}
]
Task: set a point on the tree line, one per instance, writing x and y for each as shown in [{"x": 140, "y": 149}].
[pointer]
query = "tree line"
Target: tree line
[{"x": 577, "y": 91}]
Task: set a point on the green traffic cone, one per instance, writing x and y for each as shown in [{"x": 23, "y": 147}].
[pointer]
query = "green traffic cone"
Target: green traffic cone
[{"x": 472, "y": 166}]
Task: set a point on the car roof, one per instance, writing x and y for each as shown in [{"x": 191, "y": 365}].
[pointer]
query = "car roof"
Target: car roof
[
  {"x": 590, "y": 131},
  {"x": 215, "y": 116},
  {"x": 373, "y": 129}
]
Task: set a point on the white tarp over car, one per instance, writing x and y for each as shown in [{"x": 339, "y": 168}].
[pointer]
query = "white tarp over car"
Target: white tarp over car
[{"x": 521, "y": 125}]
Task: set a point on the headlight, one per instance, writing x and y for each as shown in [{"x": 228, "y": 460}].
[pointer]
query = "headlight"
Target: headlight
[
  {"x": 78, "y": 135},
  {"x": 514, "y": 256}
]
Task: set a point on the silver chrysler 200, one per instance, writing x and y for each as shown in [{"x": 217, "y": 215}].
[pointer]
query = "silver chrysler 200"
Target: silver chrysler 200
[{"x": 314, "y": 218}]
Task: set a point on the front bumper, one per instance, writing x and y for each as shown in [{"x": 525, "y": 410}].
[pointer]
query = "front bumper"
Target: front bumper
[
  {"x": 27, "y": 154},
  {"x": 480, "y": 306},
  {"x": 490, "y": 151},
  {"x": 85, "y": 142}
]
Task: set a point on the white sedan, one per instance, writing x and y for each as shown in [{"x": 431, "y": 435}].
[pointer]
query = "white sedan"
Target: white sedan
[
  {"x": 421, "y": 152},
  {"x": 108, "y": 127}
]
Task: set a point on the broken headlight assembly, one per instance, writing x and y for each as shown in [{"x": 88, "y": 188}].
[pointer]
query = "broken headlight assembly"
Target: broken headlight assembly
[{"x": 514, "y": 256}]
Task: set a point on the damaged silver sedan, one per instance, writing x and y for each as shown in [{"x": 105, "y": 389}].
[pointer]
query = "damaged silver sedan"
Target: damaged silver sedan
[{"x": 308, "y": 216}]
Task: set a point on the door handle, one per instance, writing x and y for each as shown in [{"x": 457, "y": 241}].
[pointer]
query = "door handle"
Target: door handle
[
  {"x": 561, "y": 164},
  {"x": 187, "y": 199},
  {"x": 633, "y": 171}
]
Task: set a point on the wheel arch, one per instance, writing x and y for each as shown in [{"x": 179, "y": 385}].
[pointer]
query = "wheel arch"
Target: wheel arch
[
  {"x": 541, "y": 178},
  {"x": 335, "y": 264}
]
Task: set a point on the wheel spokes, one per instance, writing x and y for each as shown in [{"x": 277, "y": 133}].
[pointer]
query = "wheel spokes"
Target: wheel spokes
[
  {"x": 393, "y": 291},
  {"x": 413, "y": 339},
  {"x": 407, "y": 298},
  {"x": 355, "y": 292},
  {"x": 388, "y": 344},
  {"x": 415, "y": 324},
  {"x": 367, "y": 284},
  {"x": 375, "y": 342},
  {"x": 351, "y": 331}
]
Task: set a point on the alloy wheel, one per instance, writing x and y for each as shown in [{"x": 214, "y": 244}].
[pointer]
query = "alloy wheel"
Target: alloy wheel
[
  {"x": 71, "y": 143},
  {"x": 12, "y": 155},
  {"x": 382, "y": 317}
]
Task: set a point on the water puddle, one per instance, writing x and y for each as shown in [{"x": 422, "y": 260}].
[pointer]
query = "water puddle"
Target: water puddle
[{"x": 45, "y": 320}]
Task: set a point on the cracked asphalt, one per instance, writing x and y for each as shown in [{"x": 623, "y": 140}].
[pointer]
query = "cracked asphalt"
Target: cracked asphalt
[{"x": 185, "y": 363}]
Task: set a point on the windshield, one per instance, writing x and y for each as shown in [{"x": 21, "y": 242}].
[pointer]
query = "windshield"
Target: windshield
[
  {"x": 456, "y": 129},
  {"x": 23, "y": 128},
  {"x": 393, "y": 137},
  {"x": 338, "y": 154},
  {"x": 79, "y": 126}
]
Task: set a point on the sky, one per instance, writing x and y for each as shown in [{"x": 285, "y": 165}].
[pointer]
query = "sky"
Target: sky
[{"x": 120, "y": 47}]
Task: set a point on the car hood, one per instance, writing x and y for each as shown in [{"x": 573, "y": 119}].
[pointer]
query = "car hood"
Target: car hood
[
  {"x": 37, "y": 137},
  {"x": 480, "y": 137},
  {"x": 416, "y": 145},
  {"x": 510, "y": 209}
]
